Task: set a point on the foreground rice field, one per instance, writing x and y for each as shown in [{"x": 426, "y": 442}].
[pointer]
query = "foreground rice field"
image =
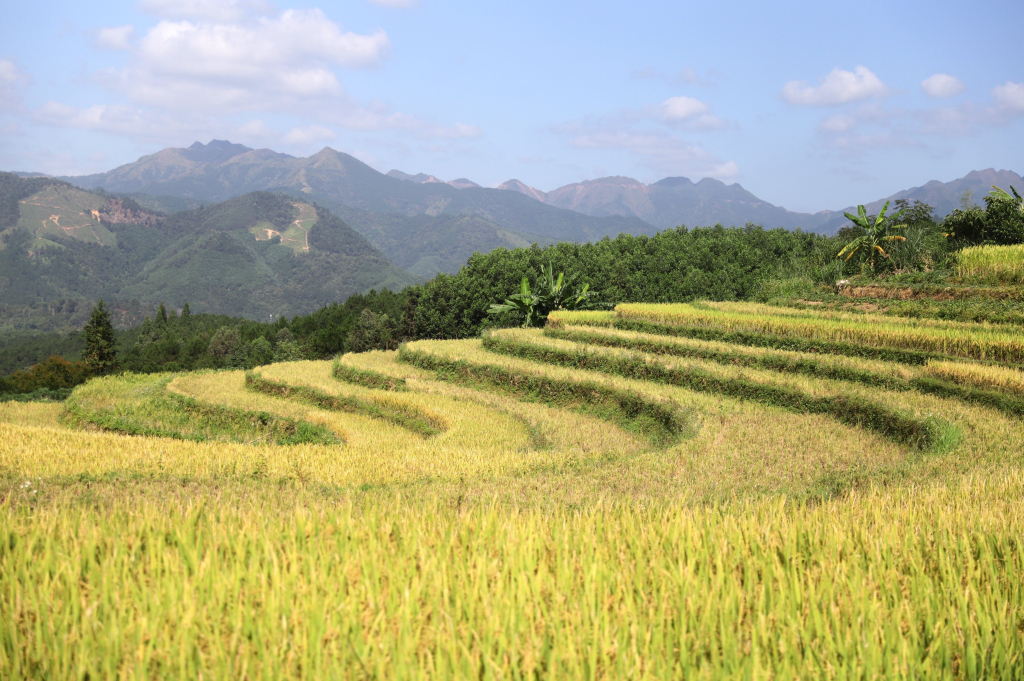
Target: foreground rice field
[{"x": 659, "y": 492}]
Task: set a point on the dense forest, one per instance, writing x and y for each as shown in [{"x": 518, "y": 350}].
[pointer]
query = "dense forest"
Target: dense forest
[{"x": 676, "y": 265}]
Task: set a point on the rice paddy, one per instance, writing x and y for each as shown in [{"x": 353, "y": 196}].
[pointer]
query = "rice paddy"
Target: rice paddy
[
  {"x": 1001, "y": 264},
  {"x": 673, "y": 491}
]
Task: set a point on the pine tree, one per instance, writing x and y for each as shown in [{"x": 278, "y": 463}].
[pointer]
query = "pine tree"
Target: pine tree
[{"x": 100, "y": 351}]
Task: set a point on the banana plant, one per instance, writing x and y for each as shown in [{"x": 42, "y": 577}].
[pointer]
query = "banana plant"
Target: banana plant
[
  {"x": 999, "y": 194},
  {"x": 875, "y": 234},
  {"x": 552, "y": 294}
]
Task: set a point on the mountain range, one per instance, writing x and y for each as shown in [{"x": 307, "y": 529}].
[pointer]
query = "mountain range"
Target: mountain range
[
  {"x": 378, "y": 205},
  {"x": 676, "y": 200},
  {"x": 425, "y": 225}
]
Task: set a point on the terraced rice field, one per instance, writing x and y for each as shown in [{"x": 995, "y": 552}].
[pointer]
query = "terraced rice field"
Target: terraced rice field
[{"x": 706, "y": 491}]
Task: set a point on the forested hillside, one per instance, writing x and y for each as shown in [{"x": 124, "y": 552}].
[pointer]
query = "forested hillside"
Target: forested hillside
[{"x": 260, "y": 255}]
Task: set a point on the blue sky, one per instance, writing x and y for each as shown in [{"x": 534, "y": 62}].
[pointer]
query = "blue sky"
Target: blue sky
[{"x": 809, "y": 105}]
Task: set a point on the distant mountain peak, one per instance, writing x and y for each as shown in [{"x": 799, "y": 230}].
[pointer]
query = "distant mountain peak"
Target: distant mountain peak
[
  {"x": 217, "y": 151},
  {"x": 517, "y": 186},
  {"x": 418, "y": 178},
  {"x": 670, "y": 182},
  {"x": 463, "y": 183}
]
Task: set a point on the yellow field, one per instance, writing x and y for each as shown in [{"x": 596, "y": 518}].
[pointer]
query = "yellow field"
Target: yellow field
[
  {"x": 1002, "y": 264},
  {"x": 554, "y": 521},
  {"x": 978, "y": 341}
]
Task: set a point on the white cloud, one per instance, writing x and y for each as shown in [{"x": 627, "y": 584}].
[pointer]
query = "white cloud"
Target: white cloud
[
  {"x": 1009, "y": 98},
  {"x": 309, "y": 134},
  {"x": 686, "y": 112},
  {"x": 681, "y": 108},
  {"x": 839, "y": 87},
  {"x": 942, "y": 85},
  {"x": 115, "y": 37},
  {"x": 205, "y": 60}
]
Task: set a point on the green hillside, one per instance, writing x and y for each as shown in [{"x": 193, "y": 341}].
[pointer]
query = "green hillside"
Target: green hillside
[
  {"x": 427, "y": 244},
  {"x": 260, "y": 255}
]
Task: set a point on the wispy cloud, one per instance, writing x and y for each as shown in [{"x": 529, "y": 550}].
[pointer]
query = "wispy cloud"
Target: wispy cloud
[
  {"x": 12, "y": 80},
  {"x": 942, "y": 85},
  {"x": 310, "y": 134},
  {"x": 873, "y": 125},
  {"x": 115, "y": 37},
  {"x": 689, "y": 112},
  {"x": 838, "y": 87},
  {"x": 661, "y": 151}
]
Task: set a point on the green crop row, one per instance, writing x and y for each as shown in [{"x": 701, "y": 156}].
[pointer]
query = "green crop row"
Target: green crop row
[
  {"x": 980, "y": 342},
  {"x": 366, "y": 377},
  {"x": 898, "y": 426},
  {"x": 994, "y": 399},
  {"x": 146, "y": 408},
  {"x": 662, "y": 422},
  {"x": 406, "y": 417},
  {"x": 774, "y": 341}
]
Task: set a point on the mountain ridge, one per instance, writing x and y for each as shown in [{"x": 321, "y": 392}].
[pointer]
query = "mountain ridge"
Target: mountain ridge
[
  {"x": 342, "y": 183},
  {"x": 581, "y": 211}
]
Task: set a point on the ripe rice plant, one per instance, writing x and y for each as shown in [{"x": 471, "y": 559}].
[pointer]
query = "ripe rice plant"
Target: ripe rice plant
[
  {"x": 915, "y": 583},
  {"x": 889, "y": 376},
  {"x": 901, "y": 427},
  {"x": 999, "y": 264},
  {"x": 588, "y": 501},
  {"x": 662, "y": 421},
  {"x": 1004, "y": 379},
  {"x": 982, "y": 342}
]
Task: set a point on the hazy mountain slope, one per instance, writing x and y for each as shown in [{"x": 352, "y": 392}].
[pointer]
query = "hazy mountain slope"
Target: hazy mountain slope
[
  {"x": 257, "y": 255},
  {"x": 671, "y": 202},
  {"x": 335, "y": 179},
  {"x": 425, "y": 245},
  {"x": 943, "y": 196}
]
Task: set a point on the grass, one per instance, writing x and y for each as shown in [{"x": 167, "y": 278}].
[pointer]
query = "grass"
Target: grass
[
  {"x": 589, "y": 501},
  {"x": 1001, "y": 264}
]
